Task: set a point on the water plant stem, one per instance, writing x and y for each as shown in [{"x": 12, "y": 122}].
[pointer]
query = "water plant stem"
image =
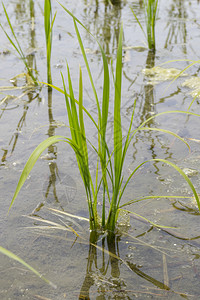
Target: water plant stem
[
  {"x": 48, "y": 25},
  {"x": 150, "y": 12},
  {"x": 150, "y": 7}
]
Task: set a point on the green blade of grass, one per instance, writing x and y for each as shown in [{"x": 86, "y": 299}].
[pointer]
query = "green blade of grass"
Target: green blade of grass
[
  {"x": 63, "y": 92},
  {"x": 17, "y": 46},
  {"x": 118, "y": 163},
  {"x": 74, "y": 123},
  {"x": 88, "y": 69},
  {"x": 138, "y": 22},
  {"x": 104, "y": 120},
  {"x": 172, "y": 165},
  {"x": 154, "y": 197},
  {"x": 81, "y": 118},
  {"x": 147, "y": 220},
  {"x": 193, "y": 62},
  {"x": 80, "y": 141},
  {"x": 48, "y": 25},
  {"x": 21, "y": 261},
  {"x": 184, "y": 176},
  {"x": 160, "y": 114},
  {"x": 33, "y": 158},
  {"x": 18, "y": 49},
  {"x": 168, "y": 132},
  {"x": 47, "y": 19},
  {"x": 117, "y": 113}
]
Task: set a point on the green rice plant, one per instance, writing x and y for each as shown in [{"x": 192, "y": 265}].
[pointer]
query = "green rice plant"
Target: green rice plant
[
  {"x": 15, "y": 43},
  {"x": 21, "y": 261},
  {"x": 110, "y": 158},
  {"x": 150, "y": 11},
  {"x": 48, "y": 25}
]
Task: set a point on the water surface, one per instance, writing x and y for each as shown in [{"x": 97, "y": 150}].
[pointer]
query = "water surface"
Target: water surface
[{"x": 151, "y": 263}]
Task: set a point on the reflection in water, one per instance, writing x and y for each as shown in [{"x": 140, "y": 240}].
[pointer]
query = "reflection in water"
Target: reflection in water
[
  {"x": 96, "y": 272},
  {"x": 59, "y": 188},
  {"x": 177, "y": 31},
  {"x": 110, "y": 263},
  {"x": 32, "y": 44},
  {"x": 147, "y": 108},
  {"x": 106, "y": 26},
  {"x": 31, "y": 92},
  {"x": 52, "y": 151}
]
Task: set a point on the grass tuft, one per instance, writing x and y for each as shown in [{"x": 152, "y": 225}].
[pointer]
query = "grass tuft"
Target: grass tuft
[
  {"x": 150, "y": 12},
  {"x": 110, "y": 158}
]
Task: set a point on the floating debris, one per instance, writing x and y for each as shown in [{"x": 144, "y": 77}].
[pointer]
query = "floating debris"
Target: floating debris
[
  {"x": 159, "y": 74},
  {"x": 136, "y": 48},
  {"x": 91, "y": 51},
  {"x": 6, "y": 99},
  {"x": 190, "y": 172},
  {"x": 23, "y": 79},
  {"x": 5, "y": 52},
  {"x": 48, "y": 156},
  {"x": 194, "y": 84},
  {"x": 123, "y": 218}
]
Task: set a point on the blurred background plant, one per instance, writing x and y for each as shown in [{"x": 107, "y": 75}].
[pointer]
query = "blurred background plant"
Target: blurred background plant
[{"x": 150, "y": 12}]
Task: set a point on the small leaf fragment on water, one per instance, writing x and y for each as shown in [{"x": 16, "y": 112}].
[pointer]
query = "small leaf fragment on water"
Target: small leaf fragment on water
[
  {"x": 136, "y": 48},
  {"x": 23, "y": 79},
  {"x": 6, "y": 99},
  {"x": 159, "y": 74},
  {"x": 190, "y": 172},
  {"x": 194, "y": 84}
]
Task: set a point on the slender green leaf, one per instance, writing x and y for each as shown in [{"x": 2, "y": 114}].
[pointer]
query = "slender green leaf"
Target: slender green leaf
[
  {"x": 147, "y": 220},
  {"x": 138, "y": 22},
  {"x": 21, "y": 261},
  {"x": 172, "y": 165},
  {"x": 153, "y": 197},
  {"x": 168, "y": 132},
  {"x": 117, "y": 112},
  {"x": 32, "y": 160},
  {"x": 63, "y": 92},
  {"x": 88, "y": 68},
  {"x": 184, "y": 176},
  {"x": 17, "y": 46}
]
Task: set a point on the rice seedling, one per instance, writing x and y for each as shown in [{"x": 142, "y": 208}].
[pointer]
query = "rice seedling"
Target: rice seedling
[
  {"x": 16, "y": 45},
  {"x": 48, "y": 25},
  {"x": 150, "y": 11},
  {"x": 110, "y": 158}
]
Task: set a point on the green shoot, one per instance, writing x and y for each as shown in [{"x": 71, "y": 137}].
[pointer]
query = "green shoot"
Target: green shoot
[
  {"x": 48, "y": 25},
  {"x": 150, "y": 11}
]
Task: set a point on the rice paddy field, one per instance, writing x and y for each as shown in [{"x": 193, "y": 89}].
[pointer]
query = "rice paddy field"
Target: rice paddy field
[{"x": 47, "y": 225}]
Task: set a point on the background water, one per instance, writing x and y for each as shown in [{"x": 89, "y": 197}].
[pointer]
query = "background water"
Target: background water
[{"x": 149, "y": 257}]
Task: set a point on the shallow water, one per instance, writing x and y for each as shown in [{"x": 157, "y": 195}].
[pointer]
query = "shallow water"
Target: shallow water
[{"x": 151, "y": 263}]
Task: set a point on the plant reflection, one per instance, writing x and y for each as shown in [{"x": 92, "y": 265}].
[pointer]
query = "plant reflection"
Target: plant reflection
[
  {"x": 147, "y": 108},
  {"x": 52, "y": 152},
  {"x": 177, "y": 31},
  {"x": 105, "y": 26},
  {"x": 111, "y": 262},
  {"x": 30, "y": 91}
]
